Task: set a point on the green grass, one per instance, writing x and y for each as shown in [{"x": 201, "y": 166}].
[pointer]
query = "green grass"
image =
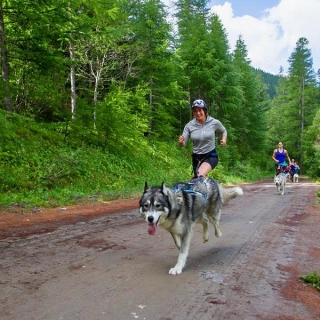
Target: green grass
[{"x": 312, "y": 279}]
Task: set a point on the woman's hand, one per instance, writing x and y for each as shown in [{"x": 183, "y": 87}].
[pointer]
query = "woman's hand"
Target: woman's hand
[
  {"x": 223, "y": 141},
  {"x": 181, "y": 141}
]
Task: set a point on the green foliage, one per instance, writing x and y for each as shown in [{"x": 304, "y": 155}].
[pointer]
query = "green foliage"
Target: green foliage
[
  {"x": 131, "y": 84},
  {"x": 312, "y": 148},
  {"x": 295, "y": 105},
  {"x": 249, "y": 123},
  {"x": 312, "y": 278},
  {"x": 270, "y": 80},
  {"x": 39, "y": 168},
  {"x": 158, "y": 68}
]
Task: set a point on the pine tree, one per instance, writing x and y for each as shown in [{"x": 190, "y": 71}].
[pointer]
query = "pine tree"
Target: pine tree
[
  {"x": 301, "y": 88},
  {"x": 250, "y": 123},
  {"x": 156, "y": 66},
  {"x": 312, "y": 147},
  {"x": 295, "y": 105},
  {"x": 195, "y": 49}
]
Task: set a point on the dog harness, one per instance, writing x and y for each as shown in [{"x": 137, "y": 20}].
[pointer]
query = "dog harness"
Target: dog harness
[{"x": 188, "y": 187}]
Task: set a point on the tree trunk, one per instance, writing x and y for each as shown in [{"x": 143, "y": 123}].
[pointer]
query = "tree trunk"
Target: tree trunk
[
  {"x": 73, "y": 82},
  {"x": 302, "y": 111},
  {"x": 5, "y": 68}
]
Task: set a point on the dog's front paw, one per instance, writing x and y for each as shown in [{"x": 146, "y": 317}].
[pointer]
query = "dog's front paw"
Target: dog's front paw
[
  {"x": 175, "y": 270},
  {"x": 205, "y": 239},
  {"x": 218, "y": 233}
]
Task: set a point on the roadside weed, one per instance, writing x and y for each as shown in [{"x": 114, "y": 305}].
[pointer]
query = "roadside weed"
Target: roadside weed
[{"x": 312, "y": 278}]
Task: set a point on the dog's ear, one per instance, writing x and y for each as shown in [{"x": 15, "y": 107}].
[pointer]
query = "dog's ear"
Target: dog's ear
[
  {"x": 146, "y": 187},
  {"x": 174, "y": 206},
  {"x": 164, "y": 189}
]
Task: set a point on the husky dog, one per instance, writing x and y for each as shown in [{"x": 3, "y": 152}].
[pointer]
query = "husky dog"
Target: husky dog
[
  {"x": 177, "y": 209},
  {"x": 280, "y": 181},
  {"x": 295, "y": 177},
  {"x": 288, "y": 177}
]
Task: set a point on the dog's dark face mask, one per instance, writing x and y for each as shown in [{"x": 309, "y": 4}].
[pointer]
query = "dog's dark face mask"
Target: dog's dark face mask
[{"x": 154, "y": 206}]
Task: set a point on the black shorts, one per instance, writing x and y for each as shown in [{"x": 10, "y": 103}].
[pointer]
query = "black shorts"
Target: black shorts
[{"x": 210, "y": 157}]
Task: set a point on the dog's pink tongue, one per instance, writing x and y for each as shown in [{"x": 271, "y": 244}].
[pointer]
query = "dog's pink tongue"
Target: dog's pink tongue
[{"x": 152, "y": 229}]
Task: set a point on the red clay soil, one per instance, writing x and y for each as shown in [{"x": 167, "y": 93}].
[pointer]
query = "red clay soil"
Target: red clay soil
[{"x": 18, "y": 223}]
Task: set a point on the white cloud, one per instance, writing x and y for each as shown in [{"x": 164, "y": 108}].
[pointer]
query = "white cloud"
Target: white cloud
[{"x": 271, "y": 39}]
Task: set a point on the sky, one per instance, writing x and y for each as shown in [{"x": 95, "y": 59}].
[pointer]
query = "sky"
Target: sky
[{"x": 270, "y": 29}]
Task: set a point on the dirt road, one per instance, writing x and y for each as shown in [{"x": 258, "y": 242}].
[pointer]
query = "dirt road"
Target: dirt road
[{"x": 98, "y": 262}]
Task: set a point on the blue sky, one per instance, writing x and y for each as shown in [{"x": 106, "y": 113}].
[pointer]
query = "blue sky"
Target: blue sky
[
  {"x": 252, "y": 8},
  {"x": 270, "y": 28}
]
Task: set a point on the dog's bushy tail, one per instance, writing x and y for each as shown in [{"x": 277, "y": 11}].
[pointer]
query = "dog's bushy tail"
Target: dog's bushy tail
[{"x": 230, "y": 193}]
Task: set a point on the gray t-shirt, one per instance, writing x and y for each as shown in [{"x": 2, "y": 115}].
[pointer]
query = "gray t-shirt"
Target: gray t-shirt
[{"x": 203, "y": 136}]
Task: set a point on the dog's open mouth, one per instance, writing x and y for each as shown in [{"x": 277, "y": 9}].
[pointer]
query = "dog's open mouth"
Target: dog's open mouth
[{"x": 152, "y": 228}]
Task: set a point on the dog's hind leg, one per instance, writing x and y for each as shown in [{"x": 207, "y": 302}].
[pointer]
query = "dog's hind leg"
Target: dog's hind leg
[
  {"x": 183, "y": 254},
  {"x": 215, "y": 220},
  {"x": 203, "y": 220},
  {"x": 216, "y": 225}
]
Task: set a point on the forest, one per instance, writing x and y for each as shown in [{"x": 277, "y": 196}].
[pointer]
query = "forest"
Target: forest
[{"x": 94, "y": 95}]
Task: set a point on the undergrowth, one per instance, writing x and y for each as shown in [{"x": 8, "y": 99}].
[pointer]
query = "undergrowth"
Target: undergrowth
[{"x": 42, "y": 166}]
